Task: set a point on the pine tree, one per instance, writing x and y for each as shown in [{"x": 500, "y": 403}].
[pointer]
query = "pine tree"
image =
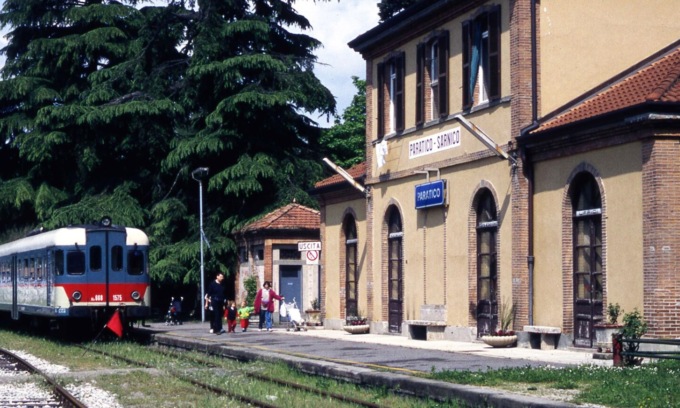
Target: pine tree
[
  {"x": 107, "y": 107},
  {"x": 389, "y": 8}
]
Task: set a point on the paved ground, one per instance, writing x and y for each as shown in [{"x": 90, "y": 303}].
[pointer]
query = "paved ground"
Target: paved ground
[
  {"x": 387, "y": 360},
  {"x": 390, "y": 350}
]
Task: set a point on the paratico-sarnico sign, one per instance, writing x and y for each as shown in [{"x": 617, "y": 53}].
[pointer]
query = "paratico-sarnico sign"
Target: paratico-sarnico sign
[{"x": 435, "y": 143}]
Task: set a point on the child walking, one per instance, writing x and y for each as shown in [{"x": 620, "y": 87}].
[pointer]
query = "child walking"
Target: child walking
[
  {"x": 230, "y": 314},
  {"x": 244, "y": 315}
]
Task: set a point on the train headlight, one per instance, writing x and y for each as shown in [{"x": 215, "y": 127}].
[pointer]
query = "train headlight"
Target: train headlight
[
  {"x": 77, "y": 296},
  {"x": 135, "y": 295},
  {"x": 105, "y": 222}
]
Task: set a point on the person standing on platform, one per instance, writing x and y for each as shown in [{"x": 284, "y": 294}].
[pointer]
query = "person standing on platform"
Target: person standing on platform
[
  {"x": 230, "y": 315},
  {"x": 264, "y": 304},
  {"x": 244, "y": 315},
  {"x": 215, "y": 300}
]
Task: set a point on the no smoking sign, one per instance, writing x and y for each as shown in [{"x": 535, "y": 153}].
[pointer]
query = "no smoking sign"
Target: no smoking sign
[{"x": 313, "y": 257}]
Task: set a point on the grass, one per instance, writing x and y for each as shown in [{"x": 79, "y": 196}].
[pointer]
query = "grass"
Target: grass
[
  {"x": 650, "y": 385},
  {"x": 139, "y": 387}
]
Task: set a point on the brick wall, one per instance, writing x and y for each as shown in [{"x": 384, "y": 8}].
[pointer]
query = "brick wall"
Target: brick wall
[
  {"x": 661, "y": 229},
  {"x": 520, "y": 68}
]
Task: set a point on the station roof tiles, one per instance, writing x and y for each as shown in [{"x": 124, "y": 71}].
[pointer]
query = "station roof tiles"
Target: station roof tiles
[
  {"x": 656, "y": 80},
  {"x": 290, "y": 217},
  {"x": 358, "y": 172}
]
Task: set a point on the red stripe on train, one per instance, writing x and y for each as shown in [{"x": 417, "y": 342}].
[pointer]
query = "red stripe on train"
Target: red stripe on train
[{"x": 96, "y": 292}]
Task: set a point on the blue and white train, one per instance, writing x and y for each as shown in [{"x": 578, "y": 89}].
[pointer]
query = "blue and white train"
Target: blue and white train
[{"x": 77, "y": 272}]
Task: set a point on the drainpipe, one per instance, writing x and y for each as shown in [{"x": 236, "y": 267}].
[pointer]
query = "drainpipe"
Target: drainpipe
[{"x": 528, "y": 168}]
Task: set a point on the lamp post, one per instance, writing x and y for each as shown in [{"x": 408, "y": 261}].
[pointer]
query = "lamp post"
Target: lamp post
[{"x": 198, "y": 175}]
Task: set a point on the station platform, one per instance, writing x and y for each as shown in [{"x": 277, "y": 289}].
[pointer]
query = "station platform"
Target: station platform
[{"x": 377, "y": 359}]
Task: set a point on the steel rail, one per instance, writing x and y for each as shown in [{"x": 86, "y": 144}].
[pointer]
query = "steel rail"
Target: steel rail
[{"x": 64, "y": 397}]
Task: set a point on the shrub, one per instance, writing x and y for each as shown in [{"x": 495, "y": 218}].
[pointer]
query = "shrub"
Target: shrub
[{"x": 250, "y": 285}]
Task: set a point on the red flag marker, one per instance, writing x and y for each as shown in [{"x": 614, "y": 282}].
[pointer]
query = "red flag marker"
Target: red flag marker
[{"x": 115, "y": 324}]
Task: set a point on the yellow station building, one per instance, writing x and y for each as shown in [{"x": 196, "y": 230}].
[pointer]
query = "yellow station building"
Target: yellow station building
[{"x": 519, "y": 153}]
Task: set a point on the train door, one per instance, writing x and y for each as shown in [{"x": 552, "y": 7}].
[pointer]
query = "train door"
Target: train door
[
  {"x": 49, "y": 276},
  {"x": 15, "y": 275},
  {"x": 106, "y": 264}
]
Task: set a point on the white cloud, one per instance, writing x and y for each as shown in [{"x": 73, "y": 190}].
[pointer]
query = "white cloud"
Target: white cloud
[{"x": 335, "y": 23}]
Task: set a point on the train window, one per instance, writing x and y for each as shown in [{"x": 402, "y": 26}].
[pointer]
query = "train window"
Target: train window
[
  {"x": 39, "y": 269},
  {"x": 31, "y": 268},
  {"x": 24, "y": 270},
  {"x": 75, "y": 262},
  {"x": 117, "y": 258},
  {"x": 135, "y": 262},
  {"x": 96, "y": 258},
  {"x": 59, "y": 261}
]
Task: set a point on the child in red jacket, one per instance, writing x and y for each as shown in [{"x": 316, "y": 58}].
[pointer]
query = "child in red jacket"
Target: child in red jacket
[{"x": 230, "y": 315}]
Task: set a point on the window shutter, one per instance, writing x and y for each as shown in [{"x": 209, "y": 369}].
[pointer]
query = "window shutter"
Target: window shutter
[
  {"x": 443, "y": 43},
  {"x": 399, "y": 97},
  {"x": 381, "y": 100},
  {"x": 467, "y": 57},
  {"x": 494, "y": 53},
  {"x": 420, "y": 90}
]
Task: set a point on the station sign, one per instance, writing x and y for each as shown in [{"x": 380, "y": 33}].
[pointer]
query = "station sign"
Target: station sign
[
  {"x": 309, "y": 246},
  {"x": 432, "y": 194}
]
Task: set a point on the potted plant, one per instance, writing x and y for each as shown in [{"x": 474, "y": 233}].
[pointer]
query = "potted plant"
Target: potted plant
[
  {"x": 505, "y": 336},
  {"x": 605, "y": 331},
  {"x": 356, "y": 325},
  {"x": 314, "y": 314}
]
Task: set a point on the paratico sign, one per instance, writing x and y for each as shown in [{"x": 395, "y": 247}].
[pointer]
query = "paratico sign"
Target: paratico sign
[
  {"x": 309, "y": 246},
  {"x": 431, "y": 194}
]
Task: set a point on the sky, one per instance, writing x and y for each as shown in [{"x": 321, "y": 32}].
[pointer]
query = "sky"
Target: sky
[{"x": 334, "y": 23}]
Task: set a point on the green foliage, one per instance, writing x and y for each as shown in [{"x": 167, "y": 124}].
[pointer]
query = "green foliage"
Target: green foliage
[
  {"x": 250, "y": 285},
  {"x": 650, "y": 385},
  {"x": 108, "y": 107},
  {"x": 345, "y": 142},
  {"x": 315, "y": 304},
  {"x": 613, "y": 312},
  {"x": 506, "y": 315},
  {"x": 389, "y": 8},
  {"x": 634, "y": 325}
]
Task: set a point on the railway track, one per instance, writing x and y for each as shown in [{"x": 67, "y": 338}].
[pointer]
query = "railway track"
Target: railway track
[
  {"x": 288, "y": 384},
  {"x": 240, "y": 397},
  {"x": 40, "y": 389}
]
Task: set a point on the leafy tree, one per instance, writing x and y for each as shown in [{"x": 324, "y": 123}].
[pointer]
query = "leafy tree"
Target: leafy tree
[
  {"x": 345, "y": 142},
  {"x": 106, "y": 107},
  {"x": 388, "y": 8}
]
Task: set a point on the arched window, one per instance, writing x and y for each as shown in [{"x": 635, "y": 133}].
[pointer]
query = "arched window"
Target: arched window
[
  {"x": 395, "y": 270},
  {"x": 587, "y": 246},
  {"x": 487, "y": 270},
  {"x": 351, "y": 272}
]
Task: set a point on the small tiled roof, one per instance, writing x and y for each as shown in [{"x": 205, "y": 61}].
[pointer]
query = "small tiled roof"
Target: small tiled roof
[
  {"x": 358, "y": 171},
  {"x": 657, "y": 81},
  {"x": 290, "y": 217}
]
